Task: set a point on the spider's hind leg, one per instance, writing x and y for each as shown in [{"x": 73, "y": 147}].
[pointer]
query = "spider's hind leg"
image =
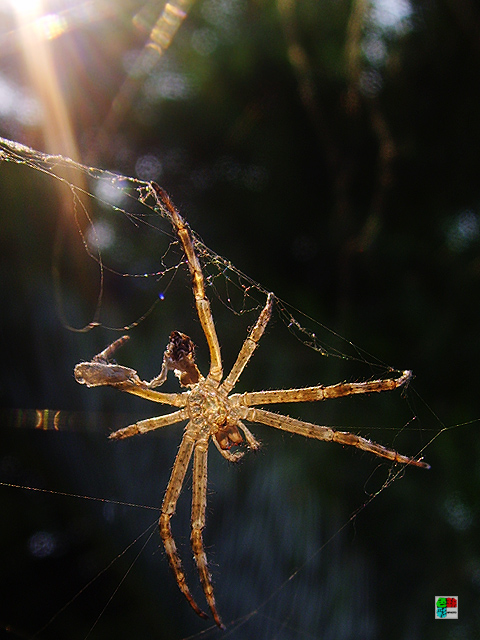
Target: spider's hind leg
[
  {"x": 199, "y": 502},
  {"x": 253, "y": 443},
  {"x": 229, "y": 436},
  {"x": 175, "y": 562},
  {"x": 231, "y": 457},
  {"x": 168, "y": 509}
]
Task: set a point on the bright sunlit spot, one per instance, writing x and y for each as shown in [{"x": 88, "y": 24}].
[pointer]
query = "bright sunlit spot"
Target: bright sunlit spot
[
  {"x": 51, "y": 26},
  {"x": 391, "y": 14},
  {"x": 26, "y": 8},
  {"x": 47, "y": 25},
  {"x": 35, "y": 30}
]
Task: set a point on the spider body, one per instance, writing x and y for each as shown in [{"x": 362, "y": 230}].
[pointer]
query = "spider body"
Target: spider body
[
  {"x": 212, "y": 407},
  {"x": 212, "y": 413}
]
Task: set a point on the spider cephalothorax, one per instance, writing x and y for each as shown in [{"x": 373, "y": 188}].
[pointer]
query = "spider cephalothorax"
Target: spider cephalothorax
[{"x": 212, "y": 412}]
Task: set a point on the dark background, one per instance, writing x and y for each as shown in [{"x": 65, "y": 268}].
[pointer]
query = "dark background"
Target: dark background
[{"x": 329, "y": 150}]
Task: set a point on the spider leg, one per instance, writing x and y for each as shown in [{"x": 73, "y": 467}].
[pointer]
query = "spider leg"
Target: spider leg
[
  {"x": 199, "y": 502},
  {"x": 249, "y": 437},
  {"x": 107, "y": 353},
  {"x": 249, "y": 346},
  {"x": 142, "y": 426},
  {"x": 168, "y": 509},
  {"x": 320, "y": 392},
  {"x": 231, "y": 457},
  {"x": 100, "y": 372},
  {"x": 160, "y": 379},
  {"x": 201, "y": 301},
  {"x": 310, "y": 430}
]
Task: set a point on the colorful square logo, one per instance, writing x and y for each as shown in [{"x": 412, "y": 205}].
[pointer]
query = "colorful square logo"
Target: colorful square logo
[{"x": 446, "y": 607}]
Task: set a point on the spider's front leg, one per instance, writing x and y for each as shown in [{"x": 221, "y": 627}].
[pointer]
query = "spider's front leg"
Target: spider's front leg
[
  {"x": 100, "y": 372},
  {"x": 198, "y": 285}
]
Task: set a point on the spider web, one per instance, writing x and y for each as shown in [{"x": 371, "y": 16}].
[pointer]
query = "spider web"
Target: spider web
[{"x": 284, "y": 537}]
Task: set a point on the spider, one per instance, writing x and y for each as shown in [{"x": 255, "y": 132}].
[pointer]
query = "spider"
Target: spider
[{"x": 212, "y": 412}]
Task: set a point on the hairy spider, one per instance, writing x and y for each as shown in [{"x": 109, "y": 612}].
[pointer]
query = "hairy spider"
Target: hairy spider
[{"x": 212, "y": 413}]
